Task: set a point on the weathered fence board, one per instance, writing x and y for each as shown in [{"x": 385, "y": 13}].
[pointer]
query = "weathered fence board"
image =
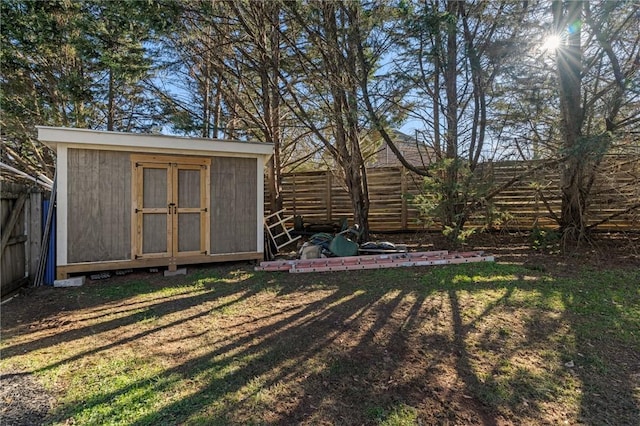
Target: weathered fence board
[
  {"x": 319, "y": 197},
  {"x": 21, "y": 228}
]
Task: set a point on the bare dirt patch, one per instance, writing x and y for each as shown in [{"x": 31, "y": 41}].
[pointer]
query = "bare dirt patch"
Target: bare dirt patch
[
  {"x": 24, "y": 400},
  {"x": 546, "y": 251}
]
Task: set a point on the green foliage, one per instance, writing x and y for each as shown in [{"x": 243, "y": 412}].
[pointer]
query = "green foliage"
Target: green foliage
[
  {"x": 42, "y": 78},
  {"x": 451, "y": 195},
  {"x": 75, "y": 64},
  {"x": 402, "y": 415},
  {"x": 545, "y": 239},
  {"x": 591, "y": 147}
]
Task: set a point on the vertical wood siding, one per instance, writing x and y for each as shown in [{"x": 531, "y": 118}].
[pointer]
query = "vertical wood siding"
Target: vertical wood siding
[
  {"x": 99, "y": 206},
  {"x": 233, "y": 205}
]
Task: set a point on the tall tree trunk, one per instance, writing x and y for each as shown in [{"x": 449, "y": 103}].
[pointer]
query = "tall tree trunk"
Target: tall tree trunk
[
  {"x": 206, "y": 99},
  {"x": 272, "y": 102},
  {"x": 274, "y": 107},
  {"x": 361, "y": 199},
  {"x": 574, "y": 177},
  {"x": 110, "y": 102},
  {"x": 451, "y": 87},
  {"x": 217, "y": 108},
  {"x": 337, "y": 39}
]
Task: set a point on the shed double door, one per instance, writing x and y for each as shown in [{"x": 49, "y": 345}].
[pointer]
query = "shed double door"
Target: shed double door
[{"x": 170, "y": 207}]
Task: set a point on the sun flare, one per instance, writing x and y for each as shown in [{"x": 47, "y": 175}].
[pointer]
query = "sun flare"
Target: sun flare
[{"x": 551, "y": 43}]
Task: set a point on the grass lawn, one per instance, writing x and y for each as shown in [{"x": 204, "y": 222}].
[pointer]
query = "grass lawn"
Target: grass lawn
[{"x": 484, "y": 343}]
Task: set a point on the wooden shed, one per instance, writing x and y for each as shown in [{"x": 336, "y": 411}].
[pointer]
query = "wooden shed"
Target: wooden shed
[{"x": 129, "y": 200}]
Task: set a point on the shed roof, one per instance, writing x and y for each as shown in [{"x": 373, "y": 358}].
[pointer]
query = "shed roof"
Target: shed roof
[{"x": 146, "y": 142}]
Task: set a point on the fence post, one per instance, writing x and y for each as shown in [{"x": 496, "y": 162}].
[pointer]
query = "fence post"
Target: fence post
[
  {"x": 293, "y": 176},
  {"x": 328, "y": 201},
  {"x": 403, "y": 194}
]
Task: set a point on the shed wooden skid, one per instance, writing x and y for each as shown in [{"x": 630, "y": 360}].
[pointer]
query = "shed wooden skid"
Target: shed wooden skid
[{"x": 139, "y": 200}]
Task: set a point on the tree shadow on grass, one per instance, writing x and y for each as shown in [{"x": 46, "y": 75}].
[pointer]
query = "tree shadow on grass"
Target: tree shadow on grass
[
  {"x": 437, "y": 346},
  {"x": 564, "y": 330},
  {"x": 605, "y": 316},
  {"x": 132, "y": 314}
]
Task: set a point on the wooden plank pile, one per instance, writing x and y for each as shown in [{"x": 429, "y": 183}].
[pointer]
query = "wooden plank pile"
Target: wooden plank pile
[{"x": 440, "y": 257}]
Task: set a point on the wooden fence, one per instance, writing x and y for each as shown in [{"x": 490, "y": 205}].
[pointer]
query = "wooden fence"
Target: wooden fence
[
  {"x": 21, "y": 231},
  {"x": 533, "y": 201}
]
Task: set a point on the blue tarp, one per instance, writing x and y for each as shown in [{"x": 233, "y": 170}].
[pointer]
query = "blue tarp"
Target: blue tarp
[{"x": 50, "y": 268}]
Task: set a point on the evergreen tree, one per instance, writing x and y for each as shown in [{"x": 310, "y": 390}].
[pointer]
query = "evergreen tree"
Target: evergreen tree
[
  {"x": 327, "y": 96},
  {"x": 75, "y": 64},
  {"x": 450, "y": 56},
  {"x": 44, "y": 80},
  {"x": 597, "y": 74}
]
